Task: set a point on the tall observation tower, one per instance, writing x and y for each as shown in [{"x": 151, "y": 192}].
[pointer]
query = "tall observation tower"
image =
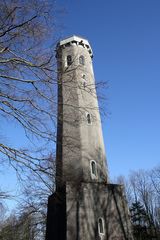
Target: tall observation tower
[{"x": 84, "y": 206}]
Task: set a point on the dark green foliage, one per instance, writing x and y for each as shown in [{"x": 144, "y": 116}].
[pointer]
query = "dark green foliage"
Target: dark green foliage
[
  {"x": 15, "y": 228},
  {"x": 142, "y": 227}
]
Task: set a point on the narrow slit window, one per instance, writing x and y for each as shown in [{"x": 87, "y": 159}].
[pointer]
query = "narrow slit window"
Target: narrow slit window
[
  {"x": 81, "y": 60},
  {"x": 101, "y": 226},
  {"x": 89, "y": 118},
  {"x": 69, "y": 60},
  {"x": 84, "y": 80},
  {"x": 93, "y": 169},
  {"x": 84, "y": 84}
]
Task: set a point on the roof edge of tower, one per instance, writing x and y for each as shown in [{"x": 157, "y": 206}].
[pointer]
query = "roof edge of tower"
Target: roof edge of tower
[{"x": 75, "y": 39}]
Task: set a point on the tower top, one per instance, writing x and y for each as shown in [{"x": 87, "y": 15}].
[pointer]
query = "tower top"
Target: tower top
[{"x": 75, "y": 40}]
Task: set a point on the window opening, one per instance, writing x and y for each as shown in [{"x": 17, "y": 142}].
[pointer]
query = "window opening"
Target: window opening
[
  {"x": 81, "y": 60},
  {"x": 101, "y": 226},
  {"x": 84, "y": 84},
  {"x": 84, "y": 80},
  {"x": 69, "y": 60},
  {"x": 93, "y": 169},
  {"x": 89, "y": 118}
]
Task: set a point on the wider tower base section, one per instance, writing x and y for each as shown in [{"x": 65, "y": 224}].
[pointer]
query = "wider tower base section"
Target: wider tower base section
[
  {"x": 56, "y": 217},
  {"x": 90, "y": 211}
]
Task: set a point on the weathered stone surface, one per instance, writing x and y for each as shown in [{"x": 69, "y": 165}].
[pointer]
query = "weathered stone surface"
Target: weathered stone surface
[
  {"x": 75, "y": 217},
  {"x": 83, "y": 196}
]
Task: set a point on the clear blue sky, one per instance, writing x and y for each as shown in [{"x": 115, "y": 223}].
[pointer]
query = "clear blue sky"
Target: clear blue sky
[{"x": 125, "y": 37}]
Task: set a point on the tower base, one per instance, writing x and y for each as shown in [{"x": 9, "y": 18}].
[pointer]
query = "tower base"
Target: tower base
[{"x": 73, "y": 214}]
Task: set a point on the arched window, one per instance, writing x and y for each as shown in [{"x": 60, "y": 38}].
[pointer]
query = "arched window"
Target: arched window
[
  {"x": 81, "y": 60},
  {"x": 101, "y": 226},
  {"x": 69, "y": 60},
  {"x": 88, "y": 118},
  {"x": 93, "y": 167}
]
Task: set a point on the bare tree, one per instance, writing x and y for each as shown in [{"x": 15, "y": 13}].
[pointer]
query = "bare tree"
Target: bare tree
[
  {"x": 36, "y": 189},
  {"x": 17, "y": 227},
  {"x": 27, "y": 78},
  {"x": 28, "y": 90},
  {"x": 127, "y": 187},
  {"x": 155, "y": 178},
  {"x": 142, "y": 191}
]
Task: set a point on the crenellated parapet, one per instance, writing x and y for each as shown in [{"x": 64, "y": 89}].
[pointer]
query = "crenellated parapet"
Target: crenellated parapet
[{"x": 75, "y": 41}]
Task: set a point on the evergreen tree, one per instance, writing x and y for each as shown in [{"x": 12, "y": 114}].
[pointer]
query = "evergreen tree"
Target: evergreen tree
[{"x": 139, "y": 220}]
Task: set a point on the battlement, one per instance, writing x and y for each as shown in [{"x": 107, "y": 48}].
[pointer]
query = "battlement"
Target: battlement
[{"x": 75, "y": 40}]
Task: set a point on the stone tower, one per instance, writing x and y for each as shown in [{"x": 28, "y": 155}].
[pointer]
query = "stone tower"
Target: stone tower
[{"x": 84, "y": 206}]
